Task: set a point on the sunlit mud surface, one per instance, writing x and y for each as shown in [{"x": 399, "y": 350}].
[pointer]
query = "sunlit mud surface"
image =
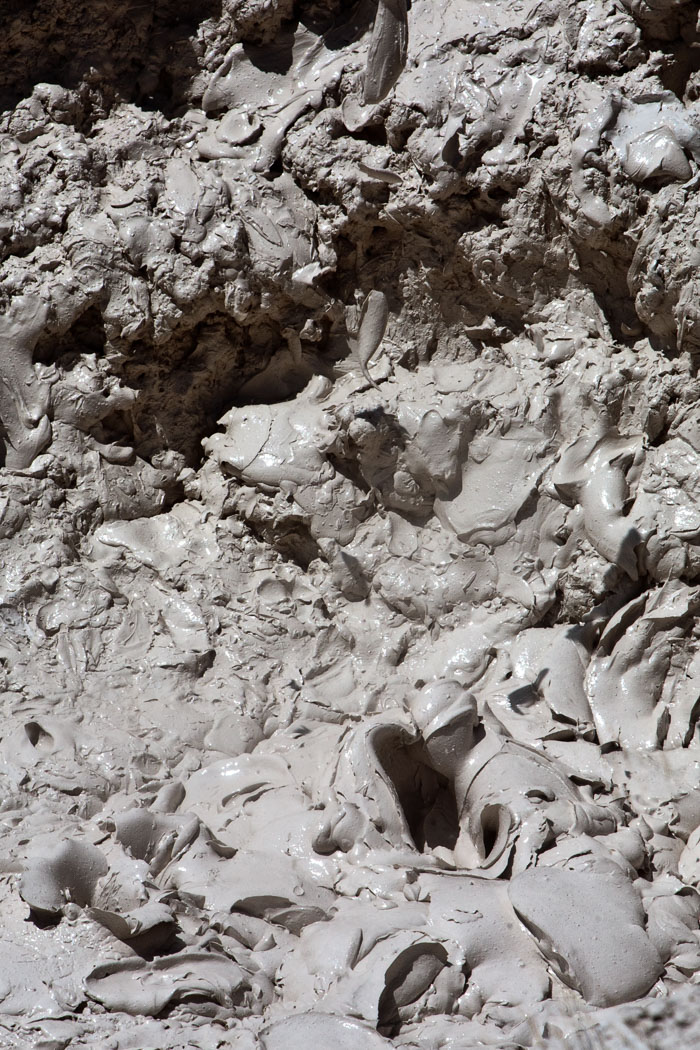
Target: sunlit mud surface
[{"x": 350, "y": 525}]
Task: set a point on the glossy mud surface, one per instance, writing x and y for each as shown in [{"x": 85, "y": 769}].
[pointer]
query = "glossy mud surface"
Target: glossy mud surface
[{"x": 349, "y": 525}]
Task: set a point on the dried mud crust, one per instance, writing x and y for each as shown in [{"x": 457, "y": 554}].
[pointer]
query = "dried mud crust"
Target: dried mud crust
[{"x": 349, "y": 523}]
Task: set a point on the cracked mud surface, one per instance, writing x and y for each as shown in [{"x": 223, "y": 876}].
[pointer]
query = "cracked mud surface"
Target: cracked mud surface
[{"x": 349, "y": 524}]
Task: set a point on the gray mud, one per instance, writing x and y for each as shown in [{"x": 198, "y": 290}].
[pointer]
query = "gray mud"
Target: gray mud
[{"x": 349, "y": 524}]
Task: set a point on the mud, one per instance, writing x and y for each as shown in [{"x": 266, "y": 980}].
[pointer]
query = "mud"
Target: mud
[{"x": 349, "y": 521}]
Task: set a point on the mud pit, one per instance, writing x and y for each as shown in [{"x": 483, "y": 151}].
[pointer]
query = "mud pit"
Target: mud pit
[{"x": 349, "y": 524}]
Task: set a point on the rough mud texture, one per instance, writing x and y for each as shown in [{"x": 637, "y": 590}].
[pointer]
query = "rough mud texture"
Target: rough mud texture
[{"x": 350, "y": 524}]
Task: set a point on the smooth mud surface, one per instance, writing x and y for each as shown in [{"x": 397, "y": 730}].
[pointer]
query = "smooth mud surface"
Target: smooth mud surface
[{"x": 349, "y": 524}]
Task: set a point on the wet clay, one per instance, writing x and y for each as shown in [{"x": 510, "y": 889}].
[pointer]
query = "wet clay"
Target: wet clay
[{"x": 349, "y": 523}]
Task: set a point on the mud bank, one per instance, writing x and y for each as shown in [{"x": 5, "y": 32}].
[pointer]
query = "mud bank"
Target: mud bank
[{"x": 349, "y": 524}]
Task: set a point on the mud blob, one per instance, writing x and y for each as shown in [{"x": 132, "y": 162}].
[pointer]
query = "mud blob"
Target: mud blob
[{"x": 590, "y": 927}]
